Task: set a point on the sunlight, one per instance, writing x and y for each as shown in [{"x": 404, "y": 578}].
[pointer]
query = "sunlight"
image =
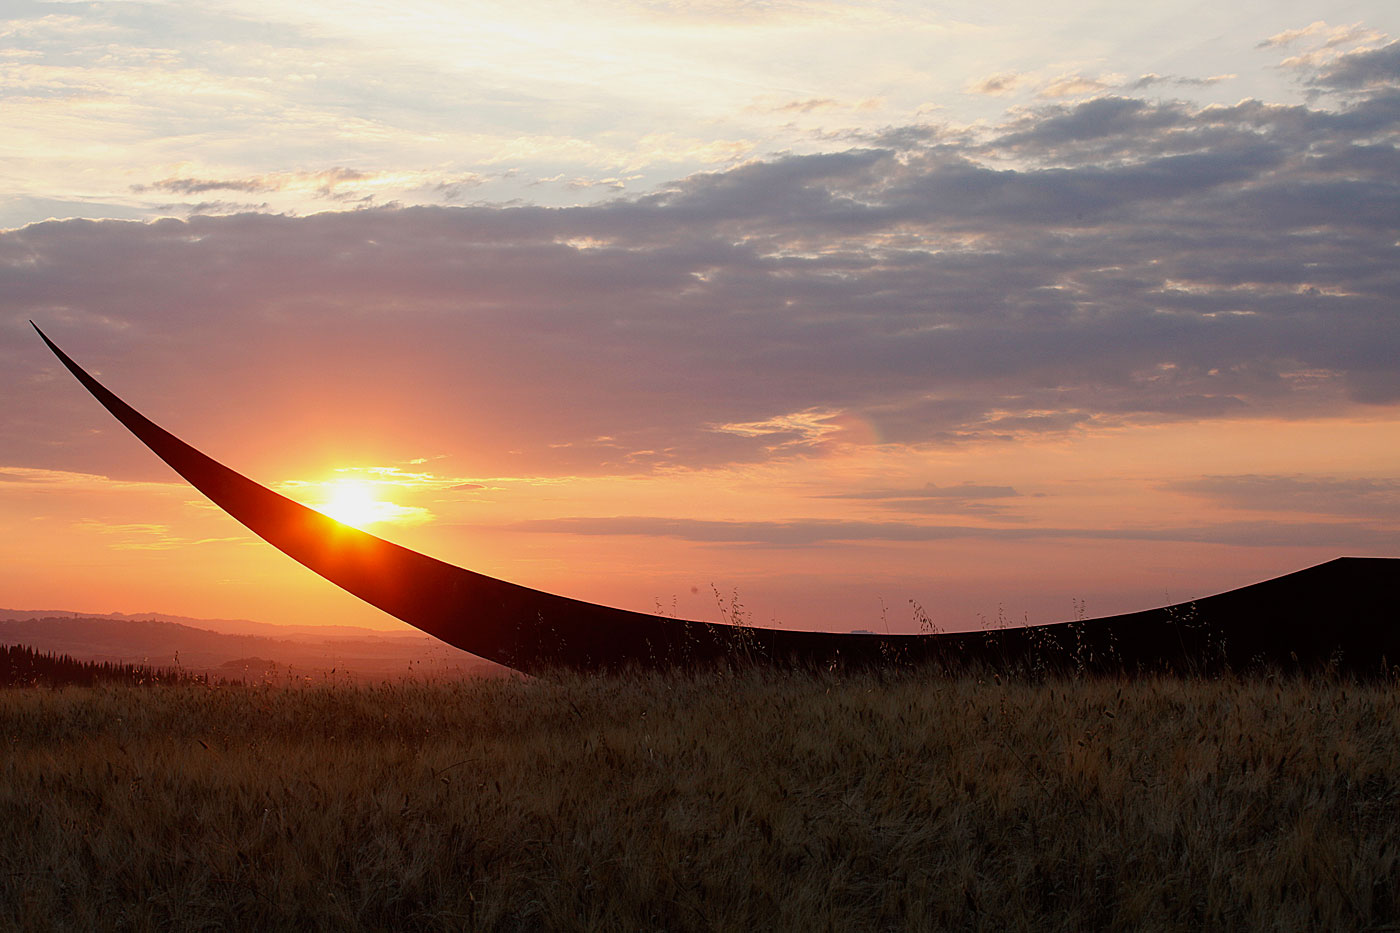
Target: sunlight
[
  {"x": 357, "y": 504},
  {"x": 365, "y": 497}
]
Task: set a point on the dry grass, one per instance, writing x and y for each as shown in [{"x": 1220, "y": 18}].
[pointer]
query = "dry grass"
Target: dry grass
[{"x": 719, "y": 801}]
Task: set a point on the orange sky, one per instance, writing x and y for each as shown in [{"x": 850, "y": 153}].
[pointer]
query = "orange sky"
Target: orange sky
[
  {"x": 1094, "y": 519},
  {"x": 941, "y": 317}
]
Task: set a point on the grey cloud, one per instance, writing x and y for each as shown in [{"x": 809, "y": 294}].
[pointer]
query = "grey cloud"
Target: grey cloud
[
  {"x": 453, "y": 190},
  {"x": 326, "y": 182},
  {"x": 1142, "y": 262},
  {"x": 213, "y": 207},
  {"x": 902, "y": 138},
  {"x": 1362, "y": 69},
  {"x": 203, "y": 185},
  {"x": 1372, "y": 498},
  {"x": 1148, "y": 80}
]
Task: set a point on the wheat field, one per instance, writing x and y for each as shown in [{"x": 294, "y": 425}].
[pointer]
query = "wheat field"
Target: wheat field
[{"x": 725, "y": 801}]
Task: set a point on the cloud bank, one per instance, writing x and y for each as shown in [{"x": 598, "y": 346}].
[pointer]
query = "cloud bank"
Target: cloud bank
[{"x": 1084, "y": 265}]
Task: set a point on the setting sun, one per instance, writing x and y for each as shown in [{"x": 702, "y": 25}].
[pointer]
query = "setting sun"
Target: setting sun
[{"x": 355, "y": 503}]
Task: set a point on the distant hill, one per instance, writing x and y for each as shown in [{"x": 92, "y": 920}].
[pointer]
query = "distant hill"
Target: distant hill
[
  {"x": 227, "y": 626},
  {"x": 289, "y": 651},
  {"x": 21, "y": 666}
]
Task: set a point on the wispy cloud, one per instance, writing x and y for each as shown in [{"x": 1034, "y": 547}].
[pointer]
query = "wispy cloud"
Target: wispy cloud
[
  {"x": 1077, "y": 85},
  {"x": 71, "y": 480},
  {"x": 931, "y": 491},
  {"x": 816, "y": 533},
  {"x": 1370, "y": 498},
  {"x": 327, "y": 183},
  {"x": 1320, "y": 34},
  {"x": 147, "y": 536},
  {"x": 1148, "y": 80},
  {"x": 930, "y": 499},
  {"x": 1003, "y": 82},
  {"x": 1320, "y": 45}
]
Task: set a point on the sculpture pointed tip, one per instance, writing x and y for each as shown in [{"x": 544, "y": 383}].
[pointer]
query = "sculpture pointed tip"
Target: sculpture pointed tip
[{"x": 47, "y": 342}]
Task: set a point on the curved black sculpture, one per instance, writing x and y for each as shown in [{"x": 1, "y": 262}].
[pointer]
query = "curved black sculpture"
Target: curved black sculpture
[{"x": 1341, "y": 613}]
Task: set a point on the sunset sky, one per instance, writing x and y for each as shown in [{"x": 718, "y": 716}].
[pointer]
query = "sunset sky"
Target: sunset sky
[{"x": 992, "y": 307}]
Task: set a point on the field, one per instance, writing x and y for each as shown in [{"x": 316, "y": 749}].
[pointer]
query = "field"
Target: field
[{"x": 736, "y": 801}]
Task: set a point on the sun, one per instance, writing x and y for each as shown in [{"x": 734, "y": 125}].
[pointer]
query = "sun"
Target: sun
[
  {"x": 354, "y": 503},
  {"x": 360, "y": 502}
]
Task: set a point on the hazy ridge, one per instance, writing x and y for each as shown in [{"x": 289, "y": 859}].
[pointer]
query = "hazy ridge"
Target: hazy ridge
[
  {"x": 251, "y": 649},
  {"x": 226, "y": 626}
]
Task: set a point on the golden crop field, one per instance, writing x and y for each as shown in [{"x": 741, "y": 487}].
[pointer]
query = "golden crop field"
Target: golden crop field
[{"x": 730, "y": 801}]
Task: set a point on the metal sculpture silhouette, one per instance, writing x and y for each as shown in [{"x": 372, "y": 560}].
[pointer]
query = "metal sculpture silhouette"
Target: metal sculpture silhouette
[{"x": 1341, "y": 613}]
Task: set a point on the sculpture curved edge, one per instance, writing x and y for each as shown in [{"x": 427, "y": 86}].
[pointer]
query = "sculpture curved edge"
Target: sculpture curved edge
[{"x": 1341, "y": 613}]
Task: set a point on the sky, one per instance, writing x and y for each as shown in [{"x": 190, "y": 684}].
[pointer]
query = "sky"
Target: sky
[{"x": 834, "y": 315}]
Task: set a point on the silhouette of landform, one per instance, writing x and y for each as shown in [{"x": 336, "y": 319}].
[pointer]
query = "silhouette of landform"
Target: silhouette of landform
[
  {"x": 241, "y": 650},
  {"x": 1341, "y": 614},
  {"x": 22, "y": 666}
]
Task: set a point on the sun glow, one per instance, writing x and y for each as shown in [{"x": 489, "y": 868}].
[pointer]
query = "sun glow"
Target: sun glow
[
  {"x": 357, "y": 504},
  {"x": 366, "y": 497}
]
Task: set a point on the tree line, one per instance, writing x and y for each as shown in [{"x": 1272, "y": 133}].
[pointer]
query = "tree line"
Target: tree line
[{"x": 22, "y": 666}]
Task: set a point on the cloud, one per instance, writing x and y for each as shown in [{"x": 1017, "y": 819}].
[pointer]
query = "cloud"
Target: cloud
[
  {"x": 802, "y": 428},
  {"x": 1370, "y": 498},
  {"x": 1320, "y": 33},
  {"x": 808, "y": 105},
  {"x": 1366, "y": 68},
  {"x": 1081, "y": 267},
  {"x": 1148, "y": 80},
  {"x": 202, "y": 185},
  {"x": 145, "y": 536},
  {"x": 1075, "y": 85},
  {"x": 817, "y": 104},
  {"x": 1001, "y": 83},
  {"x": 817, "y": 532},
  {"x": 1323, "y": 45},
  {"x": 579, "y": 184},
  {"x": 212, "y": 207},
  {"x": 324, "y": 183},
  {"x": 930, "y": 491},
  {"x": 68, "y": 482},
  {"x": 456, "y": 188},
  {"x": 963, "y": 499}
]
